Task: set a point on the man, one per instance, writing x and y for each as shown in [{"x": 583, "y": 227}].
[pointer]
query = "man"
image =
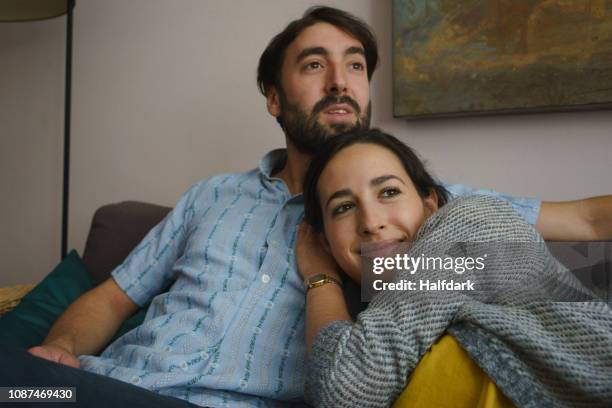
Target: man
[{"x": 230, "y": 330}]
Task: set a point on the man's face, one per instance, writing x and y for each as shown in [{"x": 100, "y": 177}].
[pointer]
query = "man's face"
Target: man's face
[{"x": 325, "y": 88}]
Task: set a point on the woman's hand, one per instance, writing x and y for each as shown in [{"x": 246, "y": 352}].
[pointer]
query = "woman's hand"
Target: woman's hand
[{"x": 312, "y": 258}]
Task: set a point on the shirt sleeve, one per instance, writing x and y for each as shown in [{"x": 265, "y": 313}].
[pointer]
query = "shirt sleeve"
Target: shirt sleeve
[
  {"x": 528, "y": 208},
  {"x": 148, "y": 269}
]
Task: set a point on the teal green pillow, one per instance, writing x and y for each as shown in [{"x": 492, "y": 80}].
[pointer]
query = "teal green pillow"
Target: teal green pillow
[{"x": 28, "y": 324}]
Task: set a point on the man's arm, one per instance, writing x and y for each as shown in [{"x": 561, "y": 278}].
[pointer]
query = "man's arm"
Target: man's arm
[
  {"x": 87, "y": 325},
  {"x": 589, "y": 219}
]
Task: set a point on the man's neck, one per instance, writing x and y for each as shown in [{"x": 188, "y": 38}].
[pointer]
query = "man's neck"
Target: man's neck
[{"x": 295, "y": 169}]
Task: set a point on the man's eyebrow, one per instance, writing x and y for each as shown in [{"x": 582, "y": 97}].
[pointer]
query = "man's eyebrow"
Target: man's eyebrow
[
  {"x": 306, "y": 52},
  {"x": 381, "y": 179},
  {"x": 354, "y": 50},
  {"x": 338, "y": 194}
]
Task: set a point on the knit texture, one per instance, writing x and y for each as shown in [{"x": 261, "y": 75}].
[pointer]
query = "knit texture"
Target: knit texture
[{"x": 543, "y": 338}]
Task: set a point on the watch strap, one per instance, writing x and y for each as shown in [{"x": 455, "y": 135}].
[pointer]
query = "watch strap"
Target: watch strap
[{"x": 320, "y": 280}]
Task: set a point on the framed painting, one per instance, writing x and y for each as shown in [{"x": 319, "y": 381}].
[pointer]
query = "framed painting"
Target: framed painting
[{"x": 474, "y": 57}]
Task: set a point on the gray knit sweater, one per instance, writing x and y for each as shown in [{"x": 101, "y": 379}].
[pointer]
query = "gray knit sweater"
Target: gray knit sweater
[{"x": 543, "y": 338}]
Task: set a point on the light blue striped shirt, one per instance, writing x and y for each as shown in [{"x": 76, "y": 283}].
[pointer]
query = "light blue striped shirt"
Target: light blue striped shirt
[{"x": 229, "y": 331}]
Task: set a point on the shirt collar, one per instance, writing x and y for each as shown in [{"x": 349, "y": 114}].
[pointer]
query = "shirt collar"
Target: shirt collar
[{"x": 273, "y": 160}]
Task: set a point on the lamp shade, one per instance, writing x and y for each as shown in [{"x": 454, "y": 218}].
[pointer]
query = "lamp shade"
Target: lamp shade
[{"x": 28, "y": 10}]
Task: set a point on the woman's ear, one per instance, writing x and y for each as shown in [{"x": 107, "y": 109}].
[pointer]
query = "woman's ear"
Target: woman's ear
[
  {"x": 273, "y": 102},
  {"x": 431, "y": 202}
]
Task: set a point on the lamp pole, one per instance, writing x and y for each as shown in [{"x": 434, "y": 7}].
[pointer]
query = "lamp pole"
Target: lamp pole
[
  {"x": 34, "y": 10},
  {"x": 67, "y": 107}
]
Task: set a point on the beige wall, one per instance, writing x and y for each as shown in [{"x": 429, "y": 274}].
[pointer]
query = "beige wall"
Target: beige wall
[
  {"x": 31, "y": 132},
  {"x": 164, "y": 94}
]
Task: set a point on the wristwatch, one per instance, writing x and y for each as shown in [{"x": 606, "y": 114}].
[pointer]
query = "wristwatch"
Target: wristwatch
[{"x": 319, "y": 280}]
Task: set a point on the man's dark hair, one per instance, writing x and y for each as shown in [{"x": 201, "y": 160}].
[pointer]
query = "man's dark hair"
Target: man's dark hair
[
  {"x": 271, "y": 61},
  {"x": 422, "y": 180}
]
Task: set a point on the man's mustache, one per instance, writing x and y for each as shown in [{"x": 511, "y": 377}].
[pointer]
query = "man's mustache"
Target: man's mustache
[{"x": 335, "y": 100}]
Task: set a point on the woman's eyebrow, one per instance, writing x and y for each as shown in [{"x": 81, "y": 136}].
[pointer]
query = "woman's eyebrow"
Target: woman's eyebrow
[
  {"x": 374, "y": 182},
  {"x": 381, "y": 179},
  {"x": 339, "y": 194}
]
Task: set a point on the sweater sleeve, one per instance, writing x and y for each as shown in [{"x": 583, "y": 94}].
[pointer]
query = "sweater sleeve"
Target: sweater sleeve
[
  {"x": 367, "y": 363},
  {"x": 527, "y": 207}
]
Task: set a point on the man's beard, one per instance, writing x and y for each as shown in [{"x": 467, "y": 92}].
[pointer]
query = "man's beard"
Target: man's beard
[{"x": 306, "y": 133}]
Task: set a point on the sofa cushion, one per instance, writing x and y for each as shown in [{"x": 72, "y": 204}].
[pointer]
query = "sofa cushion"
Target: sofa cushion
[
  {"x": 115, "y": 230},
  {"x": 28, "y": 324}
]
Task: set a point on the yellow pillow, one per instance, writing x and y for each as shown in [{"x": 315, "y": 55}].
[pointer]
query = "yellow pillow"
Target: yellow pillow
[{"x": 446, "y": 376}]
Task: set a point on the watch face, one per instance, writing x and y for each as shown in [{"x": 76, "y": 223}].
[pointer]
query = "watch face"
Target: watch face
[
  {"x": 312, "y": 279},
  {"x": 317, "y": 277},
  {"x": 318, "y": 280}
]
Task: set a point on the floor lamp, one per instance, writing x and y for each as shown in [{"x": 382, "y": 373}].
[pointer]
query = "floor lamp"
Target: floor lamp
[{"x": 32, "y": 10}]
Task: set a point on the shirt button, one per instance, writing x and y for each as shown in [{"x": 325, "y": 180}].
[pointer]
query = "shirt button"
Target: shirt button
[
  {"x": 265, "y": 278},
  {"x": 273, "y": 242},
  {"x": 136, "y": 380},
  {"x": 184, "y": 365}
]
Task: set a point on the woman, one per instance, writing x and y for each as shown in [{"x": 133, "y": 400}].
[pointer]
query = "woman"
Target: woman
[{"x": 368, "y": 194}]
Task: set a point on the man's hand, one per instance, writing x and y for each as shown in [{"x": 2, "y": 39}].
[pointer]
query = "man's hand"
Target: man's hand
[
  {"x": 312, "y": 258},
  {"x": 56, "y": 354}
]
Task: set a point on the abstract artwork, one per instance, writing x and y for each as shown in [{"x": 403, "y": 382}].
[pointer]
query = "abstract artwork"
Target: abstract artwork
[{"x": 471, "y": 57}]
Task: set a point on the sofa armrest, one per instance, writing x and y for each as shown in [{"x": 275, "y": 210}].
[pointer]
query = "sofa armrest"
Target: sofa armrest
[{"x": 11, "y": 296}]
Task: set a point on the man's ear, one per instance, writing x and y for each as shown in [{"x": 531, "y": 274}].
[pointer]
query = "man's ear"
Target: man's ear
[
  {"x": 273, "y": 101},
  {"x": 431, "y": 202}
]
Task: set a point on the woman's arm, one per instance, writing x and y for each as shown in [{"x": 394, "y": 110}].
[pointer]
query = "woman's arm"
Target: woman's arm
[
  {"x": 589, "y": 219},
  {"x": 326, "y": 303}
]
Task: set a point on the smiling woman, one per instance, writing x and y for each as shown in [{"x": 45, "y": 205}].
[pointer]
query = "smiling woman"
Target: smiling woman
[
  {"x": 376, "y": 195},
  {"x": 365, "y": 195}
]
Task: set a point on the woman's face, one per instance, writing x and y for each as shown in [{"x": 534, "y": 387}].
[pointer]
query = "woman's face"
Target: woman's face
[{"x": 369, "y": 204}]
